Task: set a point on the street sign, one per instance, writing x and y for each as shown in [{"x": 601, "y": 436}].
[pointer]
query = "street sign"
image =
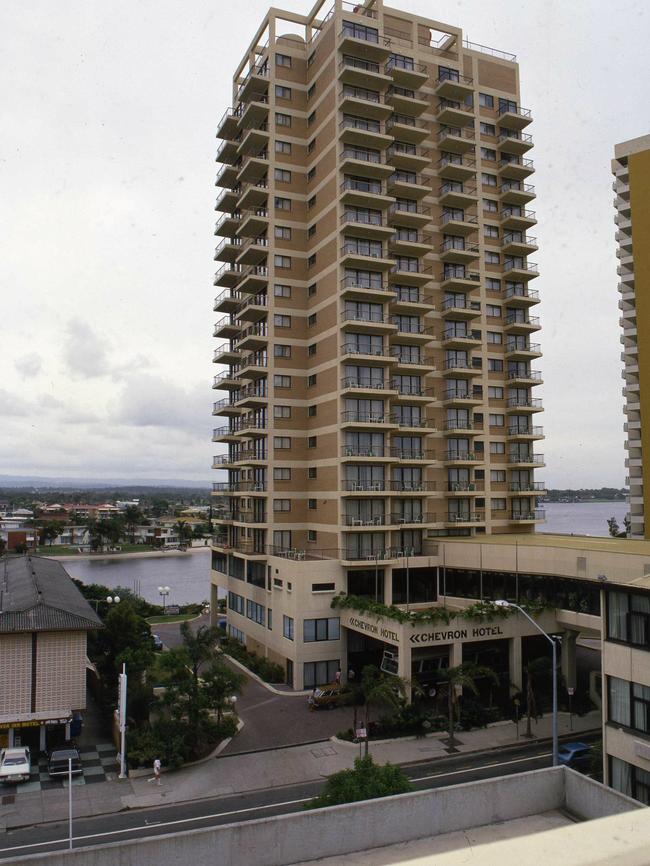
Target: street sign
[
  {"x": 571, "y": 690},
  {"x": 361, "y": 733}
]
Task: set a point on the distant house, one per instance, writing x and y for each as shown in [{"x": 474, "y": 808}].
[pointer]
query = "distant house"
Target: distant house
[
  {"x": 44, "y": 623},
  {"x": 18, "y": 538}
]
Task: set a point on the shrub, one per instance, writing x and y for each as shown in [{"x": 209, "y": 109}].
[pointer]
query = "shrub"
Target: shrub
[
  {"x": 269, "y": 671},
  {"x": 366, "y": 781}
]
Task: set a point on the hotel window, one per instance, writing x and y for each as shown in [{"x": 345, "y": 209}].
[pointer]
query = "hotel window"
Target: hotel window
[
  {"x": 312, "y": 289},
  {"x": 282, "y": 261},
  {"x": 311, "y": 90},
  {"x": 312, "y": 411},
  {"x": 282, "y": 505},
  {"x": 269, "y": 619},
  {"x": 485, "y": 100},
  {"x": 281, "y": 291},
  {"x": 281, "y": 473},
  {"x": 287, "y": 627},
  {"x": 311, "y": 174},
  {"x": 255, "y": 611},
  {"x": 311, "y": 118},
  {"x": 311, "y": 231},
  {"x": 312, "y": 319},
  {"x": 488, "y": 128},
  {"x": 311, "y": 202},
  {"x": 282, "y": 92},
  {"x": 488, "y": 179},
  {"x": 328, "y": 628},
  {"x": 282, "y": 442},
  {"x": 311, "y": 380},
  {"x": 491, "y": 232},
  {"x": 311, "y": 349},
  {"x": 490, "y": 206},
  {"x": 629, "y": 780},
  {"x": 495, "y": 392},
  {"x": 282, "y": 175},
  {"x": 312, "y": 442},
  {"x": 498, "y": 476},
  {"x": 494, "y": 311},
  {"x": 282, "y": 203},
  {"x": 628, "y": 618},
  {"x": 311, "y": 59},
  {"x": 312, "y": 472},
  {"x": 494, "y": 337},
  {"x": 320, "y": 673},
  {"x": 497, "y": 504},
  {"x": 492, "y": 258},
  {"x": 282, "y": 119},
  {"x": 282, "y": 381},
  {"x": 281, "y": 321},
  {"x": 283, "y": 60},
  {"x": 492, "y": 284},
  {"x": 497, "y": 447},
  {"x": 488, "y": 154},
  {"x": 311, "y": 504},
  {"x": 281, "y": 411},
  {"x": 497, "y": 420},
  {"x": 360, "y": 31},
  {"x": 283, "y": 232},
  {"x": 629, "y": 704},
  {"x": 312, "y": 535},
  {"x": 281, "y": 351},
  {"x": 311, "y": 145},
  {"x": 311, "y": 261},
  {"x": 282, "y": 146},
  {"x": 495, "y": 365}
]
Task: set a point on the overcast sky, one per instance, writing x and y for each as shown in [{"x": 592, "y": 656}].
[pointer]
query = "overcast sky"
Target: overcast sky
[{"x": 108, "y": 117}]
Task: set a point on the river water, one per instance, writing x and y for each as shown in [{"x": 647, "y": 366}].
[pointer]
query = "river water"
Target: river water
[{"x": 188, "y": 577}]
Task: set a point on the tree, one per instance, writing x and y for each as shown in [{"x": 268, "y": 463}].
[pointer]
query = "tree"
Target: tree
[
  {"x": 535, "y": 670},
  {"x": 462, "y": 676},
  {"x": 183, "y": 530},
  {"x": 132, "y": 518},
  {"x": 219, "y": 684},
  {"x": 50, "y": 531},
  {"x": 613, "y": 527},
  {"x": 366, "y": 781},
  {"x": 379, "y": 688}
]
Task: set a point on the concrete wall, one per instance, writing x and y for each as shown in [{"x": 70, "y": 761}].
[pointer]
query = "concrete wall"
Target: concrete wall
[{"x": 359, "y": 826}]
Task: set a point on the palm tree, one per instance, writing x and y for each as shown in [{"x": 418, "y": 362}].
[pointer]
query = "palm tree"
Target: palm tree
[
  {"x": 132, "y": 517},
  {"x": 535, "y": 670},
  {"x": 462, "y": 676},
  {"x": 183, "y": 530},
  {"x": 379, "y": 688}
]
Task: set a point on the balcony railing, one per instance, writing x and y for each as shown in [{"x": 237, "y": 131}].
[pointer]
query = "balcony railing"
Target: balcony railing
[
  {"x": 364, "y": 486},
  {"x": 463, "y": 456},
  {"x": 517, "y": 457},
  {"x": 461, "y": 304},
  {"x": 533, "y": 375},
  {"x": 412, "y": 454},
  {"x": 520, "y": 112},
  {"x": 351, "y": 282},
  {"x": 525, "y": 402},
  {"x": 360, "y": 154},
  {"x": 351, "y": 416},
  {"x": 355, "y": 349},
  {"x": 364, "y": 383},
  {"x": 369, "y": 187},
  {"x": 372, "y": 252},
  {"x": 518, "y": 430},
  {"x": 361, "y": 218},
  {"x": 360, "y": 93},
  {"x": 537, "y": 514},
  {"x": 465, "y": 517},
  {"x": 526, "y": 486},
  {"x": 358, "y": 451},
  {"x": 522, "y": 292},
  {"x": 513, "y": 319}
]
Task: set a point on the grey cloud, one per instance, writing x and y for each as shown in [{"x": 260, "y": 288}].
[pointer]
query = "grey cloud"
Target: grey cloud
[
  {"x": 151, "y": 401},
  {"x": 29, "y": 365},
  {"x": 13, "y": 405},
  {"x": 85, "y": 352}
]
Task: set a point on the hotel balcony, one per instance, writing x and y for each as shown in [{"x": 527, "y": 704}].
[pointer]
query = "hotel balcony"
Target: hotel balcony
[
  {"x": 408, "y": 156},
  {"x": 517, "y": 218},
  {"x": 405, "y": 127},
  {"x": 528, "y": 433},
  {"x": 254, "y": 113},
  {"x": 370, "y": 322},
  {"x": 227, "y": 152},
  {"x": 223, "y": 434},
  {"x": 453, "y": 139},
  {"x": 365, "y": 486},
  {"x": 516, "y": 168},
  {"x": 454, "y": 113},
  {"x": 414, "y": 394},
  {"x": 457, "y": 167},
  {"x": 413, "y": 520},
  {"x": 227, "y": 200},
  {"x": 369, "y": 45},
  {"x": 518, "y": 324},
  {"x": 221, "y": 461},
  {"x": 411, "y": 299},
  {"x": 519, "y": 350},
  {"x": 525, "y": 461},
  {"x": 408, "y": 184},
  {"x": 364, "y": 163},
  {"x": 360, "y": 353},
  {"x": 523, "y": 271},
  {"x": 406, "y": 101},
  {"x": 253, "y": 337},
  {"x": 459, "y": 338},
  {"x": 352, "y": 521},
  {"x": 524, "y": 404},
  {"x": 529, "y": 377},
  {"x": 254, "y": 168},
  {"x": 364, "y": 132},
  {"x": 461, "y": 281},
  {"x": 462, "y": 428},
  {"x": 407, "y": 72},
  {"x": 518, "y": 244},
  {"x": 512, "y": 117},
  {"x": 372, "y": 290},
  {"x": 228, "y": 275},
  {"x": 414, "y": 424},
  {"x": 460, "y": 369},
  {"x": 227, "y": 225},
  {"x": 408, "y": 273},
  {"x": 458, "y": 251},
  {"x": 255, "y": 83},
  {"x": 412, "y": 333},
  {"x": 516, "y": 192},
  {"x": 538, "y": 487},
  {"x": 464, "y": 489},
  {"x": 365, "y": 193},
  {"x": 254, "y": 396},
  {"x": 409, "y": 242},
  {"x": 254, "y": 196},
  {"x": 226, "y": 407},
  {"x": 227, "y": 126},
  {"x": 455, "y": 397},
  {"x": 515, "y": 142},
  {"x": 250, "y": 428},
  {"x": 355, "y": 453},
  {"x": 227, "y": 302},
  {"x": 410, "y": 214},
  {"x": 226, "y": 328},
  {"x": 253, "y": 367},
  {"x": 538, "y": 515},
  {"x": 227, "y": 176},
  {"x": 365, "y": 255},
  {"x": 227, "y": 381},
  {"x": 363, "y": 73},
  {"x": 253, "y": 308},
  {"x": 453, "y": 85},
  {"x": 224, "y": 354},
  {"x": 362, "y": 102},
  {"x": 464, "y": 518},
  {"x": 254, "y": 142},
  {"x": 366, "y": 226},
  {"x": 412, "y": 455},
  {"x": 457, "y": 195},
  {"x": 416, "y": 487},
  {"x": 362, "y": 386},
  {"x": 371, "y": 420},
  {"x": 255, "y": 279},
  {"x": 228, "y": 250},
  {"x": 414, "y": 364},
  {"x": 461, "y": 308},
  {"x": 457, "y": 225},
  {"x": 462, "y": 458},
  {"x": 253, "y": 251}
]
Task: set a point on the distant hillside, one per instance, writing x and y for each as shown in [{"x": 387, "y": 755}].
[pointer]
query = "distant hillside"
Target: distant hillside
[
  {"x": 596, "y": 494},
  {"x": 19, "y": 482}
]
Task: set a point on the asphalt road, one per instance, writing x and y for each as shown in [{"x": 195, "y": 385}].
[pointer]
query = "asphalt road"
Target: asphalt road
[{"x": 196, "y": 814}]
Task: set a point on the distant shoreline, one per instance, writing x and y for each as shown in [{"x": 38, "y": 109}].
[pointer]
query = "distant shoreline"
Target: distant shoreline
[{"x": 147, "y": 554}]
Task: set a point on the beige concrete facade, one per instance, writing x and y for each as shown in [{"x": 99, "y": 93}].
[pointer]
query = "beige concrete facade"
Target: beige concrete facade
[{"x": 376, "y": 298}]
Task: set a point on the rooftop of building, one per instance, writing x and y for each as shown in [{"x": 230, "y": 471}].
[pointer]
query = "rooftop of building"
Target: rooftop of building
[
  {"x": 38, "y": 594},
  {"x": 634, "y": 145},
  {"x": 604, "y": 544}
]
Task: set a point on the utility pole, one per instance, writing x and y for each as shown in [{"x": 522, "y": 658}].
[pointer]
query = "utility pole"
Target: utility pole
[{"x": 122, "y": 721}]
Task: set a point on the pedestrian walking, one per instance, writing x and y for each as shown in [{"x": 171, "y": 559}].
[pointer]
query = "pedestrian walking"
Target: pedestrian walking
[{"x": 156, "y": 772}]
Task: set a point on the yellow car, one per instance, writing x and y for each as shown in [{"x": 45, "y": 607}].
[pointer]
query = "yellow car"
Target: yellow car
[{"x": 328, "y": 697}]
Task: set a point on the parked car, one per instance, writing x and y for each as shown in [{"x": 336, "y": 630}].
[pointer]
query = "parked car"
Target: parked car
[
  {"x": 15, "y": 765},
  {"x": 329, "y": 697},
  {"x": 575, "y": 755},
  {"x": 57, "y": 762},
  {"x": 157, "y": 642}
]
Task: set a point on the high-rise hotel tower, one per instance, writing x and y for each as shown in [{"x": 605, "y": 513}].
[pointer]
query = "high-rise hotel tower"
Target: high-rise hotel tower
[
  {"x": 376, "y": 316},
  {"x": 631, "y": 169}
]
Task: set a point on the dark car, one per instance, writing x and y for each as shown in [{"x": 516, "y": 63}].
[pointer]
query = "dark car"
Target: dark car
[
  {"x": 157, "y": 642},
  {"x": 575, "y": 755},
  {"x": 58, "y": 762}
]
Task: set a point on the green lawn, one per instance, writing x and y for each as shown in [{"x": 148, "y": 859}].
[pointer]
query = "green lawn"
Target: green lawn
[
  {"x": 183, "y": 617},
  {"x": 63, "y": 550}
]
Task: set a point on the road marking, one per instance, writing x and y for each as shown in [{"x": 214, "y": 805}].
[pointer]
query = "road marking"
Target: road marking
[
  {"x": 161, "y": 824},
  {"x": 147, "y": 825},
  {"x": 260, "y": 704},
  {"x": 482, "y": 767}
]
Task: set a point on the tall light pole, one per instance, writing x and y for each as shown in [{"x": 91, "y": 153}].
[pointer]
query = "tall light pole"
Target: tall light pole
[
  {"x": 110, "y": 599},
  {"x": 163, "y": 592},
  {"x": 551, "y": 640}
]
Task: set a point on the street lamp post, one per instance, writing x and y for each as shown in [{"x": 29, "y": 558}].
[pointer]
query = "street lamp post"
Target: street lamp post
[
  {"x": 110, "y": 599},
  {"x": 504, "y": 603},
  {"x": 163, "y": 592}
]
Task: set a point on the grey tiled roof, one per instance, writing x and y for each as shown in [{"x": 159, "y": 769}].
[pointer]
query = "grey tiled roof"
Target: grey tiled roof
[{"x": 38, "y": 594}]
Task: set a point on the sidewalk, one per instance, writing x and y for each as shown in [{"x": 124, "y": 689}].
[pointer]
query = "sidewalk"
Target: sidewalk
[{"x": 261, "y": 770}]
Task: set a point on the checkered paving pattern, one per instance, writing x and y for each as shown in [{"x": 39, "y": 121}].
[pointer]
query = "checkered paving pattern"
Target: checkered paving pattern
[{"x": 99, "y": 764}]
